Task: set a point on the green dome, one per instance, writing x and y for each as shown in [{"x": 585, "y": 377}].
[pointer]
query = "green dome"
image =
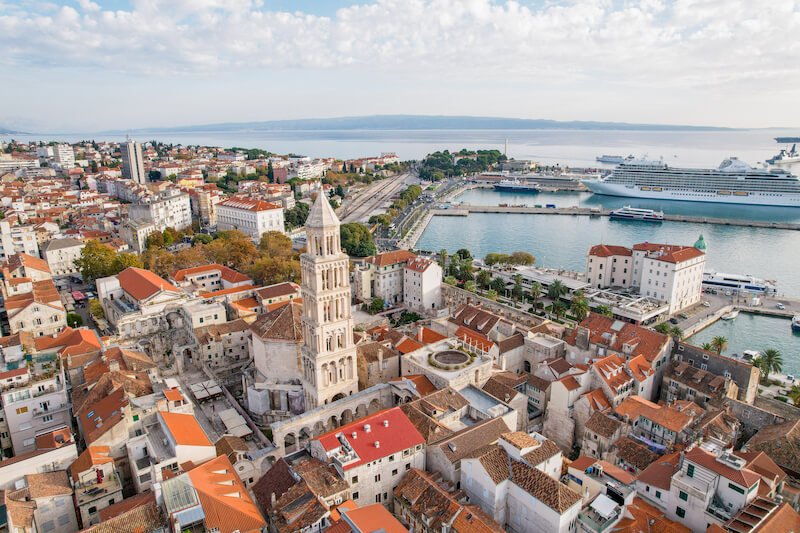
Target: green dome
[{"x": 700, "y": 244}]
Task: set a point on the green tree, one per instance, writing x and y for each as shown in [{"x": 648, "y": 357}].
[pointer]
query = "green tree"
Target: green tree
[
  {"x": 95, "y": 260},
  {"x": 95, "y": 309},
  {"x": 202, "y": 238},
  {"x": 536, "y": 291},
  {"x": 470, "y": 286},
  {"x": 376, "y": 305},
  {"x": 604, "y": 310},
  {"x": 770, "y": 360},
  {"x": 579, "y": 306},
  {"x": 483, "y": 279},
  {"x": 662, "y": 328},
  {"x": 463, "y": 253},
  {"x": 676, "y": 333},
  {"x": 522, "y": 258},
  {"x": 491, "y": 294},
  {"x": 275, "y": 244},
  {"x": 499, "y": 285},
  {"x": 559, "y": 309},
  {"x": 74, "y": 320},
  {"x": 270, "y": 173},
  {"x": 465, "y": 270},
  {"x": 516, "y": 291},
  {"x": 155, "y": 240},
  {"x": 353, "y": 238},
  {"x": 556, "y": 290},
  {"x": 451, "y": 280},
  {"x": 123, "y": 261},
  {"x": 720, "y": 344},
  {"x": 443, "y": 258},
  {"x": 707, "y": 346},
  {"x": 794, "y": 395}
]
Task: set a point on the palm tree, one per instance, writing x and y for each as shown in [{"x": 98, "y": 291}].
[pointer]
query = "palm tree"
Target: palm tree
[
  {"x": 720, "y": 344},
  {"x": 676, "y": 333},
  {"x": 770, "y": 360},
  {"x": 580, "y": 308},
  {"x": 516, "y": 292},
  {"x": 492, "y": 294},
  {"x": 559, "y": 308},
  {"x": 443, "y": 258},
  {"x": 662, "y": 328},
  {"x": 483, "y": 278},
  {"x": 556, "y": 290},
  {"x": 536, "y": 291},
  {"x": 707, "y": 346},
  {"x": 604, "y": 310}
]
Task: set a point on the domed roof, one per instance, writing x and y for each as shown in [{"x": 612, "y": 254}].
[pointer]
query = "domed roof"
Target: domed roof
[{"x": 700, "y": 244}]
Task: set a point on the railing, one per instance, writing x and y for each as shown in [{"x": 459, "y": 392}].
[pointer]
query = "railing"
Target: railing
[{"x": 594, "y": 522}]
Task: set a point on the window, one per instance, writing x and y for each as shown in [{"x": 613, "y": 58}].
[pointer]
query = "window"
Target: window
[
  {"x": 680, "y": 512},
  {"x": 354, "y": 480},
  {"x": 683, "y": 496},
  {"x": 658, "y": 494},
  {"x": 135, "y": 418},
  {"x": 377, "y": 498},
  {"x": 63, "y": 520},
  {"x": 47, "y": 418},
  {"x": 394, "y": 472},
  {"x": 92, "y": 510},
  {"x": 408, "y": 466},
  {"x": 377, "y": 478},
  {"x": 22, "y": 410},
  {"x": 355, "y": 495},
  {"x": 736, "y": 488},
  {"x": 111, "y": 501},
  {"x": 690, "y": 470}
]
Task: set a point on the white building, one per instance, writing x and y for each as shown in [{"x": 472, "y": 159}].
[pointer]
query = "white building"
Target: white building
[
  {"x": 251, "y": 217},
  {"x": 517, "y": 490},
  {"x": 373, "y": 454},
  {"x": 169, "y": 209},
  {"x": 64, "y": 156},
  {"x": 422, "y": 284},
  {"x": 60, "y": 255},
  {"x": 135, "y": 233},
  {"x": 132, "y": 161},
  {"x": 382, "y": 276},
  {"x": 665, "y": 272},
  {"x": 17, "y": 239}
]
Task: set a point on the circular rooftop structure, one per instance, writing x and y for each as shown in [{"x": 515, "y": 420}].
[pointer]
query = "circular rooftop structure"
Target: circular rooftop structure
[{"x": 450, "y": 357}]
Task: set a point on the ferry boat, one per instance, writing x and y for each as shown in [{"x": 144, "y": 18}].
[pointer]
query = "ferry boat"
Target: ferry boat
[
  {"x": 733, "y": 182},
  {"x": 796, "y": 322},
  {"x": 787, "y": 159},
  {"x": 613, "y": 159},
  {"x": 516, "y": 186},
  {"x": 736, "y": 282},
  {"x": 730, "y": 315},
  {"x": 634, "y": 213}
]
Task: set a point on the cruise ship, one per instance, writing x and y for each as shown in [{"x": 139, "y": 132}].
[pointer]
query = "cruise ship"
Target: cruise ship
[
  {"x": 734, "y": 182},
  {"x": 736, "y": 282},
  {"x": 516, "y": 186}
]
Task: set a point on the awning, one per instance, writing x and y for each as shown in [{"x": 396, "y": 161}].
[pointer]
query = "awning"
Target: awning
[{"x": 605, "y": 506}]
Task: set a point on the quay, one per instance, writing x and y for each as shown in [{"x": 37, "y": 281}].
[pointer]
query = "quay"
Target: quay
[{"x": 463, "y": 210}]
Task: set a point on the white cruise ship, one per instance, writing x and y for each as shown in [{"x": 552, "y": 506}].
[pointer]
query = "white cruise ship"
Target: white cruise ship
[{"x": 734, "y": 182}]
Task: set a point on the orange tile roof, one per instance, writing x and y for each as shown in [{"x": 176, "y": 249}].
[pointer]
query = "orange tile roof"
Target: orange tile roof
[
  {"x": 427, "y": 335},
  {"x": 249, "y": 204},
  {"x": 276, "y": 305},
  {"x": 142, "y": 284},
  {"x": 228, "y": 274},
  {"x": 28, "y": 261},
  {"x": 745, "y": 477},
  {"x": 421, "y": 382},
  {"x": 44, "y": 292},
  {"x": 374, "y": 517},
  {"x": 612, "y": 370},
  {"x": 246, "y": 303},
  {"x": 418, "y": 264},
  {"x": 597, "y": 400},
  {"x": 226, "y": 503},
  {"x": 407, "y": 346},
  {"x": 91, "y": 456},
  {"x": 582, "y": 463},
  {"x": 570, "y": 382},
  {"x": 670, "y": 253},
  {"x": 390, "y": 258},
  {"x": 185, "y": 429},
  {"x": 473, "y": 338},
  {"x": 640, "y": 368},
  {"x": 643, "y": 341},
  {"x": 606, "y": 250},
  {"x": 641, "y": 516},
  {"x": 173, "y": 395},
  {"x": 668, "y": 417}
]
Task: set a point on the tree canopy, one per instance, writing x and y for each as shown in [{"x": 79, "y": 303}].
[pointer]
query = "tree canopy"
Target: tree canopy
[
  {"x": 356, "y": 240},
  {"x": 98, "y": 261}
]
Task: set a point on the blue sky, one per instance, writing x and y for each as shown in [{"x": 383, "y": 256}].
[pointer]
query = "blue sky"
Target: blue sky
[{"x": 88, "y": 65}]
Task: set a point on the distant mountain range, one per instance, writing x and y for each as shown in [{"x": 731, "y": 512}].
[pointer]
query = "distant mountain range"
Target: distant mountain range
[{"x": 419, "y": 122}]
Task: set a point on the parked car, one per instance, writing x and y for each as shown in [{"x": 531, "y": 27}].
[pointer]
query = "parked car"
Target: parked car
[
  {"x": 684, "y": 316},
  {"x": 673, "y": 320},
  {"x": 780, "y": 306},
  {"x": 727, "y": 293},
  {"x": 706, "y": 304}
]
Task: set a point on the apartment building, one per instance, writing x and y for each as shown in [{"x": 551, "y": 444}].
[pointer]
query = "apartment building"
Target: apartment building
[
  {"x": 208, "y": 278},
  {"x": 135, "y": 233},
  {"x": 96, "y": 482},
  {"x": 34, "y": 401},
  {"x": 64, "y": 156},
  {"x": 60, "y": 255},
  {"x": 17, "y": 239},
  {"x": 382, "y": 276},
  {"x": 422, "y": 285},
  {"x": 170, "y": 208},
  {"x": 251, "y": 217},
  {"x": 666, "y": 272},
  {"x": 132, "y": 161},
  {"x": 373, "y": 454}
]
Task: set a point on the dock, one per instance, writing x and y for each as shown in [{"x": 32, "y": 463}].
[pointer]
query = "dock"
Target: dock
[{"x": 462, "y": 210}]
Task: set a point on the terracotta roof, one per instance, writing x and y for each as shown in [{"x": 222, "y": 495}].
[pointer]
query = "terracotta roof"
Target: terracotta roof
[
  {"x": 126, "y": 505},
  {"x": 544, "y": 488},
  {"x": 430, "y": 429},
  {"x": 226, "y": 503},
  {"x": 597, "y": 400},
  {"x": 669, "y": 253},
  {"x": 569, "y": 382},
  {"x": 226, "y": 273},
  {"x": 744, "y": 477},
  {"x": 539, "y": 383},
  {"x": 407, "y": 346},
  {"x": 421, "y": 383},
  {"x": 499, "y": 390},
  {"x": 145, "y": 516},
  {"x": 427, "y": 335},
  {"x": 225, "y": 292},
  {"x": 637, "y": 455},
  {"x": 542, "y": 453},
  {"x": 142, "y": 284},
  {"x": 606, "y": 250},
  {"x": 185, "y": 429},
  {"x": 91, "y": 456},
  {"x": 322, "y": 478},
  {"x": 278, "y": 290},
  {"x": 602, "y": 424},
  {"x": 465, "y": 442},
  {"x": 217, "y": 331},
  {"x": 71, "y": 341},
  {"x": 283, "y": 324},
  {"x": 398, "y": 435},
  {"x": 100, "y": 416},
  {"x": 474, "y": 339},
  {"x": 761, "y": 463},
  {"x": 370, "y": 351},
  {"x": 659, "y": 473},
  {"x": 582, "y": 463},
  {"x": 390, "y": 258},
  {"x": 668, "y": 417},
  {"x": 781, "y": 442},
  {"x": 44, "y": 292},
  {"x": 374, "y": 517},
  {"x": 783, "y": 519},
  {"x": 641, "y": 517},
  {"x": 640, "y": 368},
  {"x": 611, "y": 369},
  {"x": 419, "y": 264},
  {"x": 514, "y": 341},
  {"x": 48, "y": 484},
  {"x": 474, "y": 318},
  {"x": 297, "y": 509},
  {"x": 28, "y": 261},
  {"x": 427, "y": 501},
  {"x": 275, "y": 481},
  {"x": 248, "y": 204},
  {"x": 616, "y": 334}
]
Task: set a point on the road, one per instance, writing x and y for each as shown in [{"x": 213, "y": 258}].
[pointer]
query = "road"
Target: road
[{"x": 360, "y": 208}]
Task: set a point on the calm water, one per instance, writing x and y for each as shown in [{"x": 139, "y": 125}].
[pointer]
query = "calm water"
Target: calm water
[
  {"x": 754, "y": 332},
  {"x": 565, "y": 147}
]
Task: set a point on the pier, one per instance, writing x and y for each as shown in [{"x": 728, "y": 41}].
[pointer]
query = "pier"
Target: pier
[{"x": 463, "y": 210}]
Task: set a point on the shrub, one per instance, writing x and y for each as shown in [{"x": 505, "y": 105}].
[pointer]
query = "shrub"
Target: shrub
[{"x": 783, "y": 399}]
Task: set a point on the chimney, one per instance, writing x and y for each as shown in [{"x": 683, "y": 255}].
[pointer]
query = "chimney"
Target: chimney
[
  {"x": 377, "y": 444},
  {"x": 367, "y": 429},
  {"x": 273, "y": 500},
  {"x": 380, "y": 356},
  {"x": 354, "y": 435},
  {"x": 386, "y": 423}
]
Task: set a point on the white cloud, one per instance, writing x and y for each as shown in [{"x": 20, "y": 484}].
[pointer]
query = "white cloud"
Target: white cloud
[{"x": 685, "y": 42}]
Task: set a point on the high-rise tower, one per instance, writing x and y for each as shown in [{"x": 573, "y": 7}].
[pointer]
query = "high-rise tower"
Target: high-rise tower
[
  {"x": 328, "y": 352},
  {"x": 132, "y": 162}
]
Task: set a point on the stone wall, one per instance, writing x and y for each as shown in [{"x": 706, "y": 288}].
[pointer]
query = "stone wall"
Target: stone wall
[{"x": 453, "y": 297}]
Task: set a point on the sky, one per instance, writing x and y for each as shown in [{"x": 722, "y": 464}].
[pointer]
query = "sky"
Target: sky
[{"x": 81, "y": 65}]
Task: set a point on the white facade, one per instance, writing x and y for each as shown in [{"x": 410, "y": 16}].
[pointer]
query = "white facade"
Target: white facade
[
  {"x": 17, "y": 239},
  {"x": 64, "y": 156},
  {"x": 132, "y": 161},
  {"x": 251, "y": 217},
  {"x": 422, "y": 285},
  {"x": 170, "y": 209},
  {"x": 60, "y": 255}
]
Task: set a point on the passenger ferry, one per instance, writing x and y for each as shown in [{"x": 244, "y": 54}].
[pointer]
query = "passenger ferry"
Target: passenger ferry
[
  {"x": 516, "y": 186},
  {"x": 634, "y": 213},
  {"x": 734, "y": 182},
  {"x": 796, "y": 322},
  {"x": 613, "y": 159},
  {"x": 736, "y": 283}
]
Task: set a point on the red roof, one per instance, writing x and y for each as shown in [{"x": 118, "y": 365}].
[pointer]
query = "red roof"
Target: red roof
[
  {"x": 745, "y": 476},
  {"x": 669, "y": 252},
  {"x": 605, "y": 250},
  {"x": 185, "y": 429},
  {"x": 616, "y": 333},
  {"x": 473, "y": 338},
  {"x": 390, "y": 258},
  {"x": 399, "y": 435},
  {"x": 418, "y": 264},
  {"x": 228, "y": 274},
  {"x": 428, "y": 336},
  {"x": 249, "y": 204},
  {"x": 142, "y": 284},
  {"x": 407, "y": 346}
]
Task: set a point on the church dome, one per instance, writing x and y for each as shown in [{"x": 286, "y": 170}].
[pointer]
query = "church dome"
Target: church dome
[{"x": 700, "y": 244}]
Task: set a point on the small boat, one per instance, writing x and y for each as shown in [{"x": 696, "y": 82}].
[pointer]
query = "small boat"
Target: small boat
[
  {"x": 516, "y": 185},
  {"x": 635, "y": 213},
  {"x": 796, "y": 322},
  {"x": 730, "y": 315}
]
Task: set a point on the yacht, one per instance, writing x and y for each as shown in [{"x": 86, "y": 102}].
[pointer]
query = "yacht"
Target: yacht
[
  {"x": 516, "y": 186},
  {"x": 787, "y": 159},
  {"x": 730, "y": 315},
  {"x": 733, "y": 182},
  {"x": 796, "y": 322},
  {"x": 635, "y": 213},
  {"x": 737, "y": 282}
]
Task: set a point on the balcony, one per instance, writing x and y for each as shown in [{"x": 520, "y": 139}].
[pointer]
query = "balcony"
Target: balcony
[
  {"x": 591, "y": 520},
  {"x": 93, "y": 491},
  {"x": 692, "y": 486},
  {"x": 719, "y": 510}
]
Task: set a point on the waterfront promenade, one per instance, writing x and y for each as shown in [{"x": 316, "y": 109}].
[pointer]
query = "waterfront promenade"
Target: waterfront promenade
[{"x": 464, "y": 210}]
